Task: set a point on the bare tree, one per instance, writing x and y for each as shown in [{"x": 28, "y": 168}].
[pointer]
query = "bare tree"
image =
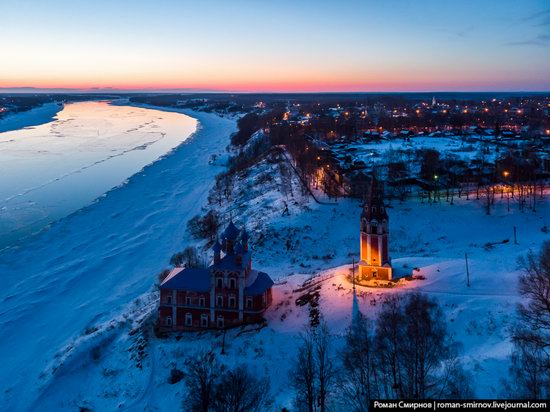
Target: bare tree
[
  {"x": 303, "y": 375},
  {"x": 389, "y": 336},
  {"x": 531, "y": 337},
  {"x": 205, "y": 227},
  {"x": 202, "y": 374},
  {"x": 240, "y": 391},
  {"x": 188, "y": 257},
  {"x": 313, "y": 375},
  {"x": 360, "y": 381},
  {"x": 425, "y": 347},
  {"x": 325, "y": 368},
  {"x": 286, "y": 180},
  {"x": 416, "y": 357}
]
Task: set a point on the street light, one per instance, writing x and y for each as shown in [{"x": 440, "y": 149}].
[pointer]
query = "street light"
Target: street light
[{"x": 506, "y": 173}]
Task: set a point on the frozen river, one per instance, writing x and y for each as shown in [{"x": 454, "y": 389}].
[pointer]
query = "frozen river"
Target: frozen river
[
  {"x": 54, "y": 169},
  {"x": 90, "y": 265}
]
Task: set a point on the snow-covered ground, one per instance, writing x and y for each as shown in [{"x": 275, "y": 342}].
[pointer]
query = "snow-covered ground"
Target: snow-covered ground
[
  {"x": 86, "y": 267},
  {"x": 34, "y": 117},
  {"x": 383, "y": 151},
  {"x": 79, "y": 302},
  {"x": 117, "y": 363}
]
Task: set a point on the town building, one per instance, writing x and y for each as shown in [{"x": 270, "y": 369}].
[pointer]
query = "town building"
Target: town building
[
  {"x": 228, "y": 293},
  {"x": 375, "y": 263}
]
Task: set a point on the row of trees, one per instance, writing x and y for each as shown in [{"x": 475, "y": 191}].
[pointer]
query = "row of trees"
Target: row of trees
[
  {"x": 530, "y": 370},
  {"x": 407, "y": 353}
]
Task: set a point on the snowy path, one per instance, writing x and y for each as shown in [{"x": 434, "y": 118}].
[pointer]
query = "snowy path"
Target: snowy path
[{"x": 87, "y": 266}]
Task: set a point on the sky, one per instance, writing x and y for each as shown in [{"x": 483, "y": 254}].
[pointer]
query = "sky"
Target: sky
[{"x": 276, "y": 45}]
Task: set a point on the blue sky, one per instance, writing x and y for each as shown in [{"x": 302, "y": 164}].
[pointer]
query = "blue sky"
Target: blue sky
[{"x": 388, "y": 45}]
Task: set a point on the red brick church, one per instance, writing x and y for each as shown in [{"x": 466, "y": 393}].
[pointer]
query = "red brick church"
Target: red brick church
[
  {"x": 228, "y": 293},
  {"x": 375, "y": 263}
]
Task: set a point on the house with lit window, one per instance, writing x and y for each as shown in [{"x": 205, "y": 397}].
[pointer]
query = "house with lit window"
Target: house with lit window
[{"x": 228, "y": 293}]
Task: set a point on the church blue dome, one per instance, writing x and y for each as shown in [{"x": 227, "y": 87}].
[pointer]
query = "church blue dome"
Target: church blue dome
[
  {"x": 217, "y": 247},
  {"x": 231, "y": 232},
  {"x": 238, "y": 249}
]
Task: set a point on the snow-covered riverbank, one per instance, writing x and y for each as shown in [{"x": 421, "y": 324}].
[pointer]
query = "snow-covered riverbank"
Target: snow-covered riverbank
[
  {"x": 87, "y": 266},
  {"x": 34, "y": 117}
]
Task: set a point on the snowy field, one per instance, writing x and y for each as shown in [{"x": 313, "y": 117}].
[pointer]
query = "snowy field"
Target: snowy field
[
  {"x": 117, "y": 363},
  {"x": 456, "y": 146},
  {"x": 54, "y": 169},
  {"x": 86, "y": 267}
]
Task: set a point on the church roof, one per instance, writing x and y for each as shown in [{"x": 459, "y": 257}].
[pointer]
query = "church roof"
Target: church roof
[
  {"x": 191, "y": 279},
  {"x": 262, "y": 283},
  {"x": 238, "y": 248},
  {"x": 228, "y": 262},
  {"x": 217, "y": 247},
  {"x": 231, "y": 232}
]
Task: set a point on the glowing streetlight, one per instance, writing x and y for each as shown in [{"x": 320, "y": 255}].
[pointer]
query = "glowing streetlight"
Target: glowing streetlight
[{"x": 506, "y": 173}]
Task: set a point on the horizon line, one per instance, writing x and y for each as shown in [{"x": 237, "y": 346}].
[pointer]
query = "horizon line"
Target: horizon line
[{"x": 102, "y": 90}]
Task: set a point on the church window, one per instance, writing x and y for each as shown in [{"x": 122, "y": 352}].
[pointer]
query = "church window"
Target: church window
[
  {"x": 232, "y": 301},
  {"x": 220, "y": 322},
  {"x": 169, "y": 299},
  {"x": 202, "y": 301},
  {"x": 219, "y": 283},
  {"x": 188, "y": 300},
  {"x": 169, "y": 321},
  {"x": 188, "y": 319},
  {"x": 204, "y": 320},
  {"x": 219, "y": 300},
  {"x": 233, "y": 283},
  {"x": 249, "y": 302}
]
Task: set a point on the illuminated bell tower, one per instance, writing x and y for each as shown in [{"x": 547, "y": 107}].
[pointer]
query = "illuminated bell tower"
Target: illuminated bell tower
[{"x": 375, "y": 263}]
